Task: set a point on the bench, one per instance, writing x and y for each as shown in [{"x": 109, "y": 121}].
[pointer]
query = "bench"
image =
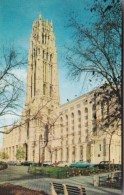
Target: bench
[
  {"x": 63, "y": 189},
  {"x": 57, "y": 188},
  {"x": 74, "y": 190}
]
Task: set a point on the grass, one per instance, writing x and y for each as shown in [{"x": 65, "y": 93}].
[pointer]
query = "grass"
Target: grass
[
  {"x": 53, "y": 172},
  {"x": 63, "y": 172}
]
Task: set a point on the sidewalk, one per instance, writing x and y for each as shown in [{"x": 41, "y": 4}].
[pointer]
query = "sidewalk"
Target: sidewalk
[
  {"x": 44, "y": 184},
  {"x": 20, "y": 176}
]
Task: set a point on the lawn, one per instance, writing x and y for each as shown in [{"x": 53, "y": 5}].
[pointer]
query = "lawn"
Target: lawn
[{"x": 63, "y": 172}]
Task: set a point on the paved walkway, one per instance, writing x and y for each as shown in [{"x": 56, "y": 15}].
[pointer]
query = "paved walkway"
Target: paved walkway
[{"x": 19, "y": 176}]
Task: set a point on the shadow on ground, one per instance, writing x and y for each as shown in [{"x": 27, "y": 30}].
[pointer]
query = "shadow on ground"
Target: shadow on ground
[{"x": 9, "y": 189}]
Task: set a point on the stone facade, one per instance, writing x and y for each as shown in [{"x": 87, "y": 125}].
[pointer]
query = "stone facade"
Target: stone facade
[{"x": 67, "y": 132}]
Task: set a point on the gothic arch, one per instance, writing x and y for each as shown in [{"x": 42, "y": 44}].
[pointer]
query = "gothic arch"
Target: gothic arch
[{"x": 26, "y": 151}]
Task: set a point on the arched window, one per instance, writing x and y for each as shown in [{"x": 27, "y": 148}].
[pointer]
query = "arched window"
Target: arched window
[
  {"x": 86, "y": 113},
  {"x": 79, "y": 113},
  {"x": 72, "y": 121},
  {"x": 61, "y": 124},
  {"x": 93, "y": 107},
  {"x": 51, "y": 57},
  {"x": 66, "y": 117},
  {"x": 79, "y": 120},
  {"x": 61, "y": 119},
  {"x": 72, "y": 115},
  {"x": 86, "y": 110},
  {"x": 66, "y": 123}
]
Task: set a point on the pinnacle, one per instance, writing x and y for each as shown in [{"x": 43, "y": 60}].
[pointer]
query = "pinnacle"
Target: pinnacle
[{"x": 40, "y": 17}]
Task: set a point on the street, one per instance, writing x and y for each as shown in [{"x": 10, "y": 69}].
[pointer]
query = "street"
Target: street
[{"x": 18, "y": 175}]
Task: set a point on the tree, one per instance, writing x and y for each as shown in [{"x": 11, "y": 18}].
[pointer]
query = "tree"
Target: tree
[
  {"x": 48, "y": 126},
  {"x": 53, "y": 149},
  {"x": 20, "y": 154},
  {"x": 11, "y": 86},
  {"x": 4, "y": 155},
  {"x": 97, "y": 52}
]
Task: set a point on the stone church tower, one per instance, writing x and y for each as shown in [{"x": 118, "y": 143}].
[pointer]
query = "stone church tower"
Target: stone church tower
[
  {"x": 42, "y": 79},
  {"x": 42, "y": 98}
]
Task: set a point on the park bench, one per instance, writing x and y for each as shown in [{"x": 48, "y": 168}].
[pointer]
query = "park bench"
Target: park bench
[
  {"x": 63, "y": 189},
  {"x": 74, "y": 190}
]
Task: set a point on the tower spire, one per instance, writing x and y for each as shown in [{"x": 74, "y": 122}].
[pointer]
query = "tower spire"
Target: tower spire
[{"x": 40, "y": 17}]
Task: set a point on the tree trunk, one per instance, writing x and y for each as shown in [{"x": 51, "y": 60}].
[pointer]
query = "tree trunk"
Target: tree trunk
[
  {"x": 42, "y": 156},
  {"x": 110, "y": 150}
]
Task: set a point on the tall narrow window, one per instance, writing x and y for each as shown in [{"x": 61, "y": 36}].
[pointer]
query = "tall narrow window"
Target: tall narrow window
[
  {"x": 50, "y": 91},
  {"x": 43, "y": 54},
  {"x": 45, "y": 71},
  {"x": 51, "y": 73},
  {"x": 28, "y": 129},
  {"x": 44, "y": 89},
  {"x": 34, "y": 53},
  {"x": 35, "y": 79},
  {"x": 45, "y": 39},
  {"x": 42, "y": 38},
  {"x": 47, "y": 55},
  {"x": 79, "y": 119},
  {"x": 31, "y": 86},
  {"x": 50, "y": 57},
  {"x": 72, "y": 121}
]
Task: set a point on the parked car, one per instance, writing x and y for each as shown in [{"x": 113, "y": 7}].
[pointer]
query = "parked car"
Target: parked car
[
  {"x": 13, "y": 163},
  {"x": 63, "y": 164},
  {"x": 35, "y": 164},
  {"x": 27, "y": 163},
  {"x": 3, "y": 165},
  {"x": 82, "y": 164},
  {"x": 56, "y": 163},
  {"x": 47, "y": 163},
  {"x": 106, "y": 164}
]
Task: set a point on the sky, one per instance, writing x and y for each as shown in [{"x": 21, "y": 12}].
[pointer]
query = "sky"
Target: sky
[{"x": 16, "y": 19}]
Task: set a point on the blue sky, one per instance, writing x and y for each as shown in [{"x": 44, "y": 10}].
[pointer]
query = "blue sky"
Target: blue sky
[{"x": 17, "y": 17}]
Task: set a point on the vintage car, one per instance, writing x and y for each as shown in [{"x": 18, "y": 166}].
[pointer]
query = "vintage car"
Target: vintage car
[
  {"x": 81, "y": 164},
  {"x": 63, "y": 164},
  {"x": 13, "y": 163},
  {"x": 107, "y": 165},
  {"x": 27, "y": 163},
  {"x": 47, "y": 163},
  {"x": 3, "y": 165}
]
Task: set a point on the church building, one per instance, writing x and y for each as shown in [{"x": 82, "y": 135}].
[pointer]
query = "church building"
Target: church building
[{"x": 50, "y": 131}]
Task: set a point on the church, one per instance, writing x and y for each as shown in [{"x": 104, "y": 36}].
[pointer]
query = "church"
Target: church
[{"x": 50, "y": 131}]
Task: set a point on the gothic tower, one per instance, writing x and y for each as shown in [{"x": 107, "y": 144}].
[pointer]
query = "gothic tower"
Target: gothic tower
[
  {"x": 42, "y": 88},
  {"x": 42, "y": 78}
]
